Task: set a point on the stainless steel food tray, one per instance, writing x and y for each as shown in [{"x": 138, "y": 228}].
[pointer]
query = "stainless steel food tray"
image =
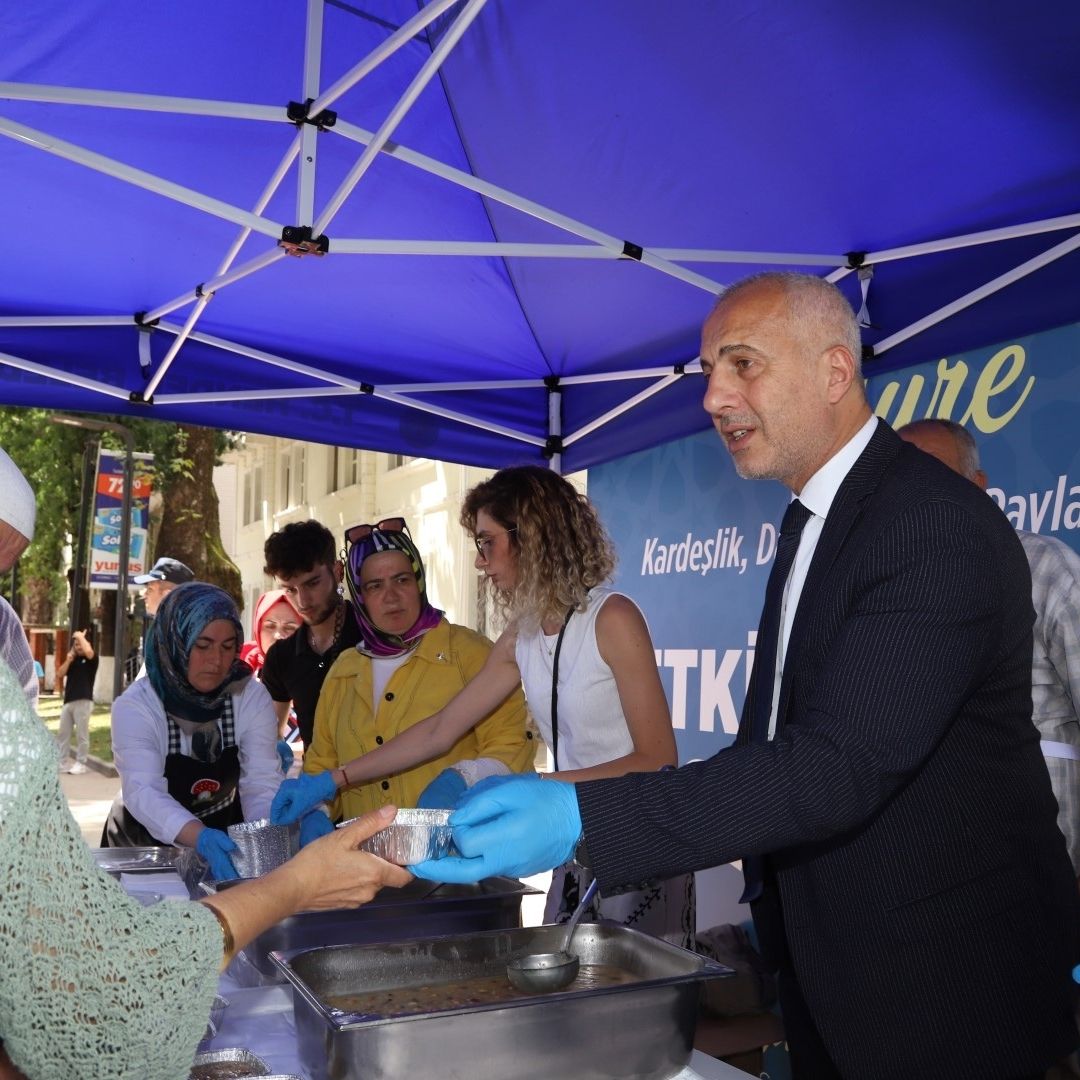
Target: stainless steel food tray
[
  {"x": 135, "y": 860},
  {"x": 419, "y": 909},
  {"x": 640, "y": 1029}
]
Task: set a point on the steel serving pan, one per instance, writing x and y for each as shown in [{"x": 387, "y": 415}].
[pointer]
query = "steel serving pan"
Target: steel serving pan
[{"x": 643, "y": 1028}]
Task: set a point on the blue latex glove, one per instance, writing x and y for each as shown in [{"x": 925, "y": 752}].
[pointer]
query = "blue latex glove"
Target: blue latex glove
[
  {"x": 314, "y": 825},
  {"x": 284, "y": 752},
  {"x": 513, "y": 829},
  {"x": 490, "y": 782},
  {"x": 214, "y": 846},
  {"x": 443, "y": 792},
  {"x": 296, "y": 797}
]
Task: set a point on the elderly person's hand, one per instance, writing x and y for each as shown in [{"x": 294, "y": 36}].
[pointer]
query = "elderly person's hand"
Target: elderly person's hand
[{"x": 331, "y": 873}]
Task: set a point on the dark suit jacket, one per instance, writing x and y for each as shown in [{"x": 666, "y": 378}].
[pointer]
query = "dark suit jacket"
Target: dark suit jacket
[{"x": 928, "y": 903}]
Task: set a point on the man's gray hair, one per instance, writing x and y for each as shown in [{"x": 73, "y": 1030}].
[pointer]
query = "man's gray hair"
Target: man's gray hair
[
  {"x": 816, "y": 305},
  {"x": 967, "y": 450}
]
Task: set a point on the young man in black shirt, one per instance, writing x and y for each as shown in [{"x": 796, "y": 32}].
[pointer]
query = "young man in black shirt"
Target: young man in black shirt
[
  {"x": 302, "y": 557},
  {"x": 80, "y": 667}
]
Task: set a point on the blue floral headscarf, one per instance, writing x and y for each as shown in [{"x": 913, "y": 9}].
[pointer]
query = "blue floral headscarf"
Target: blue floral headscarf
[{"x": 184, "y": 614}]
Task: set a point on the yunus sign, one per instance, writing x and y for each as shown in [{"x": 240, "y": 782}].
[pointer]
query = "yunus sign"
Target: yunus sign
[{"x": 108, "y": 501}]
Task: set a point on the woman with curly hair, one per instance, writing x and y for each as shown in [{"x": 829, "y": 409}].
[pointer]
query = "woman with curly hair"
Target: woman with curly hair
[{"x": 585, "y": 657}]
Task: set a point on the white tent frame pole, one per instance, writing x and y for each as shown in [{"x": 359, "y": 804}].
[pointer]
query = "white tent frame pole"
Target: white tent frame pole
[
  {"x": 67, "y": 377},
  {"x": 241, "y": 238},
  {"x": 554, "y": 419},
  {"x": 174, "y": 348},
  {"x": 110, "y": 167},
  {"x": 64, "y": 320},
  {"x": 426, "y": 73},
  {"x": 1058, "y": 251},
  {"x": 402, "y": 36},
  {"x": 119, "y": 99},
  {"x": 265, "y": 358},
  {"x": 626, "y": 406},
  {"x": 309, "y": 134},
  {"x": 525, "y": 206}
]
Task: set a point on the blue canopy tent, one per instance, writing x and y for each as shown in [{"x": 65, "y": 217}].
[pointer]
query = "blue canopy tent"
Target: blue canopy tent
[{"x": 509, "y": 217}]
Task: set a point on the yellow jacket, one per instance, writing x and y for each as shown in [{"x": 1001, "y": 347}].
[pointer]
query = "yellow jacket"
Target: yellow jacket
[{"x": 447, "y": 657}]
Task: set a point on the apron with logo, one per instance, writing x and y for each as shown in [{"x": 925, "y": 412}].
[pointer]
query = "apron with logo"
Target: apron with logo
[{"x": 206, "y": 783}]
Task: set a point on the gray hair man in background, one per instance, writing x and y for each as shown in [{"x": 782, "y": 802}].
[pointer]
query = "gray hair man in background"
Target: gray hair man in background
[
  {"x": 18, "y": 511},
  {"x": 1055, "y": 594}
]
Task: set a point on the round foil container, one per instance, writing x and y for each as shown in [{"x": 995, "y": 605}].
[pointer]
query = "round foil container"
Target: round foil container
[
  {"x": 412, "y": 837},
  {"x": 262, "y": 847}
]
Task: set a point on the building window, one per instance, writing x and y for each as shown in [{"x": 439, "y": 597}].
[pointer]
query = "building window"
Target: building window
[
  {"x": 293, "y": 488},
  {"x": 253, "y": 495},
  {"x": 344, "y": 468}
]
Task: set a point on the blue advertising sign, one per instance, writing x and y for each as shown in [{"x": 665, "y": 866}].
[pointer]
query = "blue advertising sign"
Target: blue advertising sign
[{"x": 108, "y": 504}]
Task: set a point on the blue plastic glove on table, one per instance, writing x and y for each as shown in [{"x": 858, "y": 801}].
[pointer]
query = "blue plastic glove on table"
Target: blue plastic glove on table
[
  {"x": 443, "y": 792},
  {"x": 296, "y": 797},
  {"x": 514, "y": 828},
  {"x": 214, "y": 846},
  {"x": 285, "y": 754},
  {"x": 314, "y": 825}
]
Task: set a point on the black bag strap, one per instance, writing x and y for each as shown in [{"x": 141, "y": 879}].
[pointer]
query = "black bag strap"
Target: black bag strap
[{"x": 555, "y": 693}]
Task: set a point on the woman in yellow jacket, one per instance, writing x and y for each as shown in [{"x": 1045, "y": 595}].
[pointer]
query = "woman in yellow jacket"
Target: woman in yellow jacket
[{"x": 409, "y": 663}]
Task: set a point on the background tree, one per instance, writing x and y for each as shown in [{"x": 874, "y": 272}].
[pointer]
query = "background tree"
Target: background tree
[{"x": 50, "y": 455}]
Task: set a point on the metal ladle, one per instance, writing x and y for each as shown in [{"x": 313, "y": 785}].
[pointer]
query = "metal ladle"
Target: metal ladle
[{"x": 541, "y": 973}]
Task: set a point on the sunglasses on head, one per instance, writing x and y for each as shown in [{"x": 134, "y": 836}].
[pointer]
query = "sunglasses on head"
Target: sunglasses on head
[{"x": 362, "y": 532}]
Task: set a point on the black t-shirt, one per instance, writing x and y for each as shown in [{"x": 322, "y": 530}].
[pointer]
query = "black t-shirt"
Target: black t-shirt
[
  {"x": 294, "y": 672},
  {"x": 79, "y": 683}
]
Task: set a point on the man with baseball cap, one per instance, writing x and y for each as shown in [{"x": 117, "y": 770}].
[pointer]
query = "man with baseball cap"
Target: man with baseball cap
[
  {"x": 160, "y": 579},
  {"x": 18, "y": 511}
]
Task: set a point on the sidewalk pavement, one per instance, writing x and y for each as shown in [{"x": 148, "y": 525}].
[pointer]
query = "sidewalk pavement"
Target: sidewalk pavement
[{"x": 89, "y": 795}]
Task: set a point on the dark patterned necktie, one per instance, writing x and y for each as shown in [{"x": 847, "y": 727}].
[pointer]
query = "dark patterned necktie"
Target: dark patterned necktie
[{"x": 764, "y": 675}]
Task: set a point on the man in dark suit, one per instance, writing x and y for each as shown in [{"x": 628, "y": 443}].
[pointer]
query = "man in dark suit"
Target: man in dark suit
[{"x": 886, "y": 789}]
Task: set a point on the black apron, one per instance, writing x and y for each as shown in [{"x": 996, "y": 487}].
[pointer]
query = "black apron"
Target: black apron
[{"x": 208, "y": 789}]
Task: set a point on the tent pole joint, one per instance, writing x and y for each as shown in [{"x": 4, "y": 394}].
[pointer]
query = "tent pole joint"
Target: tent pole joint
[
  {"x": 552, "y": 383},
  {"x": 553, "y": 446},
  {"x": 867, "y": 353},
  {"x": 136, "y": 397},
  {"x": 298, "y": 240},
  {"x": 367, "y": 388},
  {"x": 679, "y": 369},
  {"x": 855, "y": 259},
  {"x": 298, "y": 112},
  {"x": 144, "y": 326},
  {"x": 632, "y": 251}
]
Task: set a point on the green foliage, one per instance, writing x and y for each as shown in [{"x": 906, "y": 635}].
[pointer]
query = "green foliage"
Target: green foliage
[{"x": 50, "y": 456}]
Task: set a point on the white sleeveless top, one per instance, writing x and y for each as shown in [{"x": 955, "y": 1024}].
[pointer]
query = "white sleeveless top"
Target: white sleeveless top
[{"x": 592, "y": 728}]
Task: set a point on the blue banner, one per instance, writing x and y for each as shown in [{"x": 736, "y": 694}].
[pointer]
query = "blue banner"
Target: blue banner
[{"x": 696, "y": 543}]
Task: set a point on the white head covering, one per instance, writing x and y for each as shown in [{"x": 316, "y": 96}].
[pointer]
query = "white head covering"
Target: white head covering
[{"x": 17, "y": 505}]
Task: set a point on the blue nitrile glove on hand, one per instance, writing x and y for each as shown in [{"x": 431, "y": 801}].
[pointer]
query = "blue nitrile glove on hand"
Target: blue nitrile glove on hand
[
  {"x": 314, "y": 825},
  {"x": 285, "y": 754},
  {"x": 296, "y": 797},
  {"x": 514, "y": 828},
  {"x": 214, "y": 846},
  {"x": 443, "y": 792}
]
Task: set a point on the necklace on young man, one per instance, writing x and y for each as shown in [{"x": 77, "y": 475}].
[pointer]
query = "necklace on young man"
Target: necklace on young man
[{"x": 339, "y": 621}]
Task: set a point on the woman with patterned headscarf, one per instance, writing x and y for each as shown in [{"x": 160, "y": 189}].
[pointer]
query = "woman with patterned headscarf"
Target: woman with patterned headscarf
[
  {"x": 409, "y": 662},
  {"x": 195, "y": 741}
]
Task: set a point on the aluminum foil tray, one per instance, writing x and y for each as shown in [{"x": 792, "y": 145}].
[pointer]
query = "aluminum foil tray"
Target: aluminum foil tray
[
  {"x": 135, "y": 860},
  {"x": 412, "y": 837},
  {"x": 233, "y": 1064},
  {"x": 262, "y": 847},
  {"x": 642, "y": 1028}
]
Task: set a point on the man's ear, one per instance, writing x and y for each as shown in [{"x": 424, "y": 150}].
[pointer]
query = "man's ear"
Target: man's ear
[{"x": 841, "y": 372}]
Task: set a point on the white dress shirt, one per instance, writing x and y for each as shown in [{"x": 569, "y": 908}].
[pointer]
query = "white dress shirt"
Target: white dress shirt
[{"x": 817, "y": 496}]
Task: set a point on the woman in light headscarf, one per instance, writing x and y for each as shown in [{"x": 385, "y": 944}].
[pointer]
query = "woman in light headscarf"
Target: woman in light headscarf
[
  {"x": 410, "y": 661},
  {"x": 194, "y": 741}
]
